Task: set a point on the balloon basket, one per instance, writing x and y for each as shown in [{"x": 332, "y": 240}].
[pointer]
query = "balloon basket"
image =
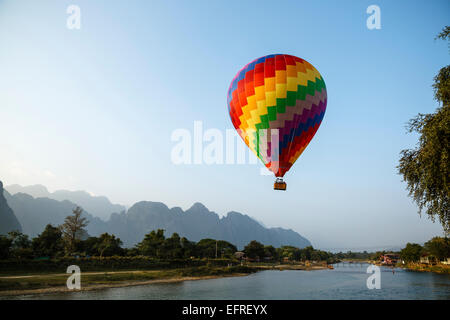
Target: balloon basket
[{"x": 279, "y": 184}]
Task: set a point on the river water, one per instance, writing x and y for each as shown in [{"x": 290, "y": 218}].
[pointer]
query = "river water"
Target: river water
[{"x": 346, "y": 281}]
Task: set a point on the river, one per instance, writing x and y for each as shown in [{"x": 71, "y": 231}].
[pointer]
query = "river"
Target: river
[{"x": 346, "y": 281}]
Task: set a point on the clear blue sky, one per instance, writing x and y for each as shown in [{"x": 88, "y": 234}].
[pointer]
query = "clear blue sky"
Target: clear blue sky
[{"x": 94, "y": 108}]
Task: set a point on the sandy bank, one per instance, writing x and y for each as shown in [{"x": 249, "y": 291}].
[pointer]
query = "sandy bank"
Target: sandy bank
[{"x": 63, "y": 289}]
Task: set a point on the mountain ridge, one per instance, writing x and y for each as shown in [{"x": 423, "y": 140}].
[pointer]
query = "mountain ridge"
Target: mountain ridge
[
  {"x": 131, "y": 225},
  {"x": 8, "y": 220},
  {"x": 99, "y": 206}
]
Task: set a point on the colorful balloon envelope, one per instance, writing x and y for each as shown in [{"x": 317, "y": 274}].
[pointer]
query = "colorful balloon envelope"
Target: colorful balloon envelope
[{"x": 277, "y": 103}]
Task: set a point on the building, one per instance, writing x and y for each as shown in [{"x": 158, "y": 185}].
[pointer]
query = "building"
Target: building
[
  {"x": 426, "y": 259},
  {"x": 239, "y": 254},
  {"x": 390, "y": 259}
]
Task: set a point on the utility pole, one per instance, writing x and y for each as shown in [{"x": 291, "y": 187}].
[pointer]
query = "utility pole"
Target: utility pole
[{"x": 216, "y": 249}]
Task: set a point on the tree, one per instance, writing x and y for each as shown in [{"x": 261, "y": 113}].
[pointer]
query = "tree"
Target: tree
[
  {"x": 109, "y": 245},
  {"x": 426, "y": 168},
  {"x": 73, "y": 229},
  {"x": 444, "y": 34},
  {"x": 411, "y": 252},
  {"x": 19, "y": 240},
  {"x": 49, "y": 243},
  {"x": 206, "y": 248},
  {"x": 130, "y": 252},
  {"x": 172, "y": 248},
  {"x": 290, "y": 253},
  {"x": 319, "y": 255},
  {"x": 306, "y": 253},
  {"x": 254, "y": 250},
  {"x": 189, "y": 248},
  {"x": 438, "y": 247},
  {"x": 270, "y": 252},
  {"x": 151, "y": 245},
  {"x": 20, "y": 245},
  {"x": 5, "y": 247},
  {"x": 88, "y": 246}
]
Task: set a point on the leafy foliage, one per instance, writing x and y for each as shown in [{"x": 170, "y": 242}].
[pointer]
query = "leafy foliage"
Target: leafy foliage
[
  {"x": 152, "y": 243},
  {"x": 73, "y": 229},
  {"x": 206, "y": 248},
  {"x": 20, "y": 245},
  {"x": 254, "y": 250},
  {"x": 106, "y": 245},
  {"x": 444, "y": 34},
  {"x": 426, "y": 168},
  {"x": 156, "y": 245},
  {"x": 306, "y": 254},
  {"x": 438, "y": 247},
  {"x": 49, "y": 243},
  {"x": 411, "y": 252},
  {"x": 5, "y": 247}
]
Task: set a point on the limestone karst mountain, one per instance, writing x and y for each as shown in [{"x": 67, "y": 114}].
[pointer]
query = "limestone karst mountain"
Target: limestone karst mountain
[
  {"x": 98, "y": 206},
  {"x": 8, "y": 221},
  {"x": 196, "y": 223}
]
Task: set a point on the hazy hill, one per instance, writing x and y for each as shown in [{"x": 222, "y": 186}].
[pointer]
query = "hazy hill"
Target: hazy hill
[
  {"x": 196, "y": 223},
  {"x": 8, "y": 221},
  {"x": 98, "y": 206},
  {"x": 35, "y": 213}
]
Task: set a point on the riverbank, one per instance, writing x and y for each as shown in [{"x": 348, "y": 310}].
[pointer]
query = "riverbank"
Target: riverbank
[
  {"x": 420, "y": 267},
  {"x": 14, "y": 285},
  {"x": 63, "y": 289},
  {"x": 282, "y": 267}
]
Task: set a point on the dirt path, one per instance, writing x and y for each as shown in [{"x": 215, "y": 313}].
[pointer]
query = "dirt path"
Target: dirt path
[{"x": 68, "y": 274}]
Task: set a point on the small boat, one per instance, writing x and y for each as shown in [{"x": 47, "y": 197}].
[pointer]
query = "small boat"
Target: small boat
[{"x": 330, "y": 266}]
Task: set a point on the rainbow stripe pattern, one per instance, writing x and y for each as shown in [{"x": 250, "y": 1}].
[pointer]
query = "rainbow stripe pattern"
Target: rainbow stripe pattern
[{"x": 277, "y": 103}]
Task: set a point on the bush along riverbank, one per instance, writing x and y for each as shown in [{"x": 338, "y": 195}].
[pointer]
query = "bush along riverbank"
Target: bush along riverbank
[
  {"x": 114, "y": 263},
  {"x": 437, "y": 268}
]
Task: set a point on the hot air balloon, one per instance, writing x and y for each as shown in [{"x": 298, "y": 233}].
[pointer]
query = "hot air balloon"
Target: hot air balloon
[{"x": 277, "y": 103}]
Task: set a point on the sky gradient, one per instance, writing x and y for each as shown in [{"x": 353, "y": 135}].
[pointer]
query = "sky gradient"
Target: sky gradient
[{"x": 94, "y": 109}]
